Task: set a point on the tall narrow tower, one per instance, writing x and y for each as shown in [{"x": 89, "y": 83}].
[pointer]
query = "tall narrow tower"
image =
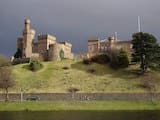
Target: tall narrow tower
[{"x": 28, "y": 36}]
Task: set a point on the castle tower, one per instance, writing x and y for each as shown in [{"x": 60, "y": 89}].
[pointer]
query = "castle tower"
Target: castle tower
[{"x": 28, "y": 36}]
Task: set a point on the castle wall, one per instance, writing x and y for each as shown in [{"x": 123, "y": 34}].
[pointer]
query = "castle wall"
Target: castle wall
[
  {"x": 35, "y": 47},
  {"x": 127, "y": 45},
  {"x": 43, "y": 45},
  {"x": 67, "y": 49},
  {"x": 93, "y": 47},
  {"x": 35, "y": 55},
  {"x": 44, "y": 41},
  {"x": 96, "y": 46},
  {"x": 54, "y": 51},
  {"x": 46, "y": 48}
]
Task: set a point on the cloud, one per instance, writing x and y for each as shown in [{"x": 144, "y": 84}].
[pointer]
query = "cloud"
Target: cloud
[{"x": 76, "y": 20}]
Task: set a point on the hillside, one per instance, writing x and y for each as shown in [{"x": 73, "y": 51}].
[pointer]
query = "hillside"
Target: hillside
[{"x": 55, "y": 77}]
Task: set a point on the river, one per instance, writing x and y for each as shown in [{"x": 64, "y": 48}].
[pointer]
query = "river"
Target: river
[{"x": 81, "y": 115}]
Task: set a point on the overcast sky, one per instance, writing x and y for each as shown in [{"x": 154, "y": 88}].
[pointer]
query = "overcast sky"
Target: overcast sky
[{"x": 76, "y": 20}]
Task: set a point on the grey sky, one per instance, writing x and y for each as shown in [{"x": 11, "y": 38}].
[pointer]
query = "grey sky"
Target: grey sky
[{"x": 76, "y": 20}]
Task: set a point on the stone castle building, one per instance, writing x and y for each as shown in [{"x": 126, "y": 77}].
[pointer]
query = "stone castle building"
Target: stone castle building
[
  {"x": 46, "y": 47},
  {"x": 97, "y": 46}
]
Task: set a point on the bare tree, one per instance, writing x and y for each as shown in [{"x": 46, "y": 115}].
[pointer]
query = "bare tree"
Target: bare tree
[
  {"x": 5, "y": 76},
  {"x": 73, "y": 90}
]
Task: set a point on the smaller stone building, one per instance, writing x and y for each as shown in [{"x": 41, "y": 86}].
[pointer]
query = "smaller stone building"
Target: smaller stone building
[
  {"x": 45, "y": 47},
  {"x": 96, "y": 46}
]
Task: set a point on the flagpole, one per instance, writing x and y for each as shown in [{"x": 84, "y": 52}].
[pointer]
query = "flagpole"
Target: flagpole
[{"x": 139, "y": 24}]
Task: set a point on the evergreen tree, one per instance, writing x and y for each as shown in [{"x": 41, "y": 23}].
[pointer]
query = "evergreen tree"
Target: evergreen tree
[
  {"x": 145, "y": 49},
  {"x": 18, "y": 54}
]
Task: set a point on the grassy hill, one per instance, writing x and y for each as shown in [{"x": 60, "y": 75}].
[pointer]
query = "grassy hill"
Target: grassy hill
[{"x": 59, "y": 76}]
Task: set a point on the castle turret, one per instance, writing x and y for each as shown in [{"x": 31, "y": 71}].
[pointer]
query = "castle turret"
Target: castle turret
[
  {"x": 28, "y": 36},
  {"x": 27, "y": 24}
]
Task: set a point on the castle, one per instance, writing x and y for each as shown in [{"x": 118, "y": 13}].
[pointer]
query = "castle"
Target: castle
[
  {"x": 97, "y": 46},
  {"x": 46, "y": 47}
]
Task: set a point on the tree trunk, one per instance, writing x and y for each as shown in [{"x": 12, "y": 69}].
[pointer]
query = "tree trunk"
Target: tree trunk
[
  {"x": 142, "y": 66},
  {"x": 6, "y": 95}
]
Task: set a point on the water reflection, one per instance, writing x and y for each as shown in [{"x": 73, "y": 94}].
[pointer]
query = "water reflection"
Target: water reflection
[{"x": 82, "y": 115}]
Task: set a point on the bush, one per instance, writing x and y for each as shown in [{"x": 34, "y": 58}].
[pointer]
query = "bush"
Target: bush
[
  {"x": 101, "y": 59},
  {"x": 119, "y": 60},
  {"x": 123, "y": 59},
  {"x": 73, "y": 89},
  {"x": 86, "y": 61},
  {"x": 66, "y": 68},
  {"x": 114, "y": 62},
  {"x": 35, "y": 65},
  {"x": 116, "y": 59},
  {"x": 155, "y": 66}
]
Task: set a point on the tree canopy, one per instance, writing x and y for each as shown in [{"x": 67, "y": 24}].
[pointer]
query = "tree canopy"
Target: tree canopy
[
  {"x": 18, "y": 54},
  {"x": 146, "y": 49}
]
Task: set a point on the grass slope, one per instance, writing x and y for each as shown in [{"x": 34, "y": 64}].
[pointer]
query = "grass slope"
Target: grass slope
[
  {"x": 53, "y": 78},
  {"x": 79, "y": 105}
]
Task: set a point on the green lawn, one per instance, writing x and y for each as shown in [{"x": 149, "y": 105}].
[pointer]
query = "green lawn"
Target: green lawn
[
  {"x": 78, "y": 105},
  {"x": 53, "y": 78}
]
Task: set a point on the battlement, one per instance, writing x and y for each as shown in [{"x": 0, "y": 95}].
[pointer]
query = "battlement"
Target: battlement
[
  {"x": 46, "y": 36},
  {"x": 66, "y": 44}
]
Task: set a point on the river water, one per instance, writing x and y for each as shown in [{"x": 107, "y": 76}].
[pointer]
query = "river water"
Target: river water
[{"x": 81, "y": 115}]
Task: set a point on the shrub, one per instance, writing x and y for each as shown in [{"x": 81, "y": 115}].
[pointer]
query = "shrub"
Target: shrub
[
  {"x": 101, "y": 59},
  {"x": 65, "y": 67},
  {"x": 123, "y": 59},
  {"x": 73, "y": 89},
  {"x": 155, "y": 66},
  {"x": 86, "y": 61},
  {"x": 114, "y": 62},
  {"x": 35, "y": 65},
  {"x": 119, "y": 59}
]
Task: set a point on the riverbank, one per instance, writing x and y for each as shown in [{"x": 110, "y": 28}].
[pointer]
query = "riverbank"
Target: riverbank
[{"x": 79, "y": 105}]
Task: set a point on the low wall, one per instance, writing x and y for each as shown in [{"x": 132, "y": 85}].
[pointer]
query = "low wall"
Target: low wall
[{"x": 85, "y": 96}]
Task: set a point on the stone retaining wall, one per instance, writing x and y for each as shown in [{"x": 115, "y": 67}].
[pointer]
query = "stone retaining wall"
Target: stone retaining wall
[{"x": 85, "y": 96}]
